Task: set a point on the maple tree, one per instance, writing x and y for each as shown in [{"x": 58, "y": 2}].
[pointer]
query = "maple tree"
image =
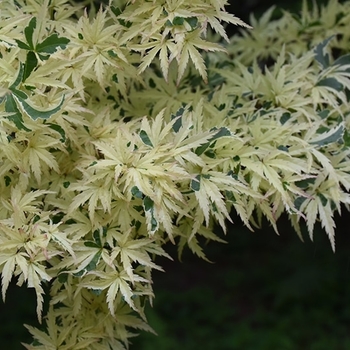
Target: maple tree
[{"x": 131, "y": 125}]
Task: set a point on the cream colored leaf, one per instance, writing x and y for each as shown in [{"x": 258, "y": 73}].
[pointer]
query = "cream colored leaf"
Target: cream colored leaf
[
  {"x": 327, "y": 222},
  {"x": 198, "y": 61}
]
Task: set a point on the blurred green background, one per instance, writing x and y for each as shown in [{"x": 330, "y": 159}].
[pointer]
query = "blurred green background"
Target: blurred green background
[{"x": 262, "y": 291}]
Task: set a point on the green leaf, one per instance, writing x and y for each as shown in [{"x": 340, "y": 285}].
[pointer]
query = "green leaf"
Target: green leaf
[
  {"x": 16, "y": 116},
  {"x": 221, "y": 133},
  {"x": 31, "y": 111},
  {"x": 19, "y": 77},
  {"x": 236, "y": 158},
  {"x": 20, "y": 94},
  {"x": 151, "y": 83},
  {"x": 178, "y": 123},
  {"x": 178, "y": 21},
  {"x": 136, "y": 192},
  {"x": 234, "y": 173},
  {"x": 283, "y": 148},
  {"x": 346, "y": 138},
  {"x": 51, "y": 43},
  {"x": 332, "y": 83},
  {"x": 60, "y": 130},
  {"x": 145, "y": 138},
  {"x": 28, "y": 32},
  {"x": 79, "y": 273},
  {"x": 201, "y": 149},
  {"x": 115, "y": 78},
  {"x": 210, "y": 153},
  {"x": 112, "y": 53},
  {"x": 138, "y": 208},
  {"x": 192, "y": 21},
  {"x": 221, "y": 107},
  {"x": 96, "y": 292},
  {"x": 137, "y": 225},
  {"x": 304, "y": 184},
  {"x": 93, "y": 263},
  {"x": 333, "y": 135},
  {"x": 91, "y": 244},
  {"x": 148, "y": 203},
  {"x": 22, "y": 45},
  {"x": 298, "y": 202},
  {"x": 324, "y": 200},
  {"x": 196, "y": 183},
  {"x": 30, "y": 65},
  {"x": 321, "y": 57},
  {"x": 62, "y": 277},
  {"x": 97, "y": 238},
  {"x": 230, "y": 196},
  {"x": 116, "y": 10},
  {"x": 285, "y": 117},
  {"x": 126, "y": 24},
  {"x": 7, "y": 180},
  {"x": 342, "y": 60},
  {"x": 154, "y": 224},
  {"x": 323, "y": 114}
]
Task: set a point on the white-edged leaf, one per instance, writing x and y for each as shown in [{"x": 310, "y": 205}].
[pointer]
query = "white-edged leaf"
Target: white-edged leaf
[
  {"x": 333, "y": 135},
  {"x": 34, "y": 113}
]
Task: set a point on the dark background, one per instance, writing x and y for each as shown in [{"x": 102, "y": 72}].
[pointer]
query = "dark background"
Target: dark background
[
  {"x": 262, "y": 291},
  {"x": 242, "y": 9}
]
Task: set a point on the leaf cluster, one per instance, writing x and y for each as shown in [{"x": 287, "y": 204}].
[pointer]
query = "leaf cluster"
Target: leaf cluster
[{"x": 126, "y": 127}]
